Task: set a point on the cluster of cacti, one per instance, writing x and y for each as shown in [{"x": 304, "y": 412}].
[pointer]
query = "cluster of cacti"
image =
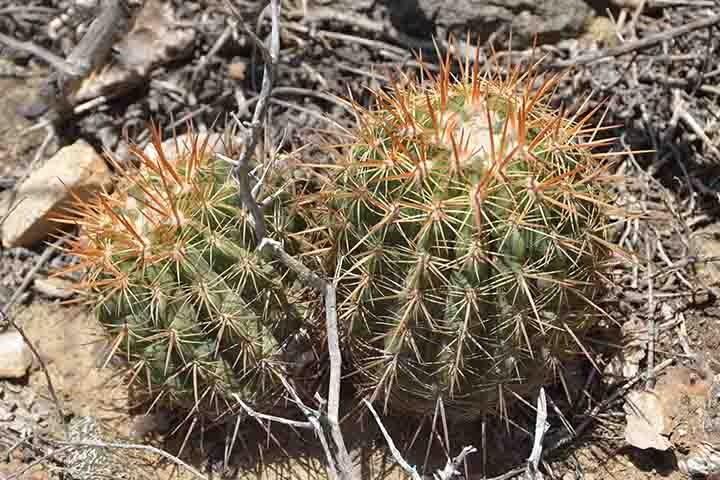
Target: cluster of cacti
[
  {"x": 465, "y": 225},
  {"x": 171, "y": 268}
]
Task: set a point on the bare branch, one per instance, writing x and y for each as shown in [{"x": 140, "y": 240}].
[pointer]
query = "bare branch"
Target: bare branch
[
  {"x": 412, "y": 471},
  {"x": 310, "y": 278},
  {"x": 271, "y": 418},
  {"x": 65, "y": 66},
  {"x": 339, "y": 462},
  {"x": 240, "y": 170},
  {"x": 541, "y": 428},
  {"x": 90, "y": 53},
  {"x": 451, "y": 468},
  {"x": 641, "y": 44}
]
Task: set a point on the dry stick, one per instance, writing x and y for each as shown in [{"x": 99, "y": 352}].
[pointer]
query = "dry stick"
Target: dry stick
[
  {"x": 452, "y": 466},
  {"x": 88, "y": 55},
  {"x": 690, "y": 121},
  {"x": 446, "y": 473},
  {"x": 274, "y": 249},
  {"x": 240, "y": 170},
  {"x": 49, "y": 455},
  {"x": 65, "y": 66},
  {"x": 313, "y": 417},
  {"x": 308, "y": 277},
  {"x": 650, "y": 380},
  {"x": 641, "y": 44},
  {"x": 412, "y": 471},
  {"x": 541, "y": 428},
  {"x": 584, "y": 425},
  {"x": 272, "y": 418},
  {"x": 5, "y": 316}
]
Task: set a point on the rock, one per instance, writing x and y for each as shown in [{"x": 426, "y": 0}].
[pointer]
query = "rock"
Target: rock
[
  {"x": 76, "y": 169},
  {"x": 678, "y": 413},
  {"x": 647, "y": 422},
  {"x": 54, "y": 287},
  {"x": 6, "y": 415},
  {"x": 172, "y": 148},
  {"x": 703, "y": 461},
  {"x": 551, "y": 21},
  {"x": 237, "y": 70},
  {"x": 15, "y": 355},
  {"x": 600, "y": 31}
]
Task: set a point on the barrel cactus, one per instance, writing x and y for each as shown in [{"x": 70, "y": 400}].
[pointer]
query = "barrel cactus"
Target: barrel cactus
[
  {"x": 466, "y": 225},
  {"x": 171, "y": 268}
]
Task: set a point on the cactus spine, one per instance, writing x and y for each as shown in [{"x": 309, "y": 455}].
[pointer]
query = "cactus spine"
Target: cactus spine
[
  {"x": 466, "y": 225},
  {"x": 171, "y": 268}
]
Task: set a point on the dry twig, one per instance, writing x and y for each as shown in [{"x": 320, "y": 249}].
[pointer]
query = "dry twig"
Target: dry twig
[
  {"x": 340, "y": 458},
  {"x": 641, "y": 44},
  {"x": 90, "y": 53}
]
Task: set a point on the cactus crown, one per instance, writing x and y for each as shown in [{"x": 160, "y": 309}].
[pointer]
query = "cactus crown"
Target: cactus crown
[
  {"x": 466, "y": 225},
  {"x": 172, "y": 271}
]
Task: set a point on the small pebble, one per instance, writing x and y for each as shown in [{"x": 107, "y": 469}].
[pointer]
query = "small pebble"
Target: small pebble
[
  {"x": 15, "y": 355},
  {"x": 55, "y": 288},
  {"x": 237, "y": 70}
]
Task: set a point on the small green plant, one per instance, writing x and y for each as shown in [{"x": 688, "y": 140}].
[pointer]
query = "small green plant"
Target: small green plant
[
  {"x": 466, "y": 226},
  {"x": 171, "y": 268}
]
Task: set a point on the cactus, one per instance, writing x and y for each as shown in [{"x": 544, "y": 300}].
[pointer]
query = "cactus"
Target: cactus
[
  {"x": 171, "y": 268},
  {"x": 465, "y": 223}
]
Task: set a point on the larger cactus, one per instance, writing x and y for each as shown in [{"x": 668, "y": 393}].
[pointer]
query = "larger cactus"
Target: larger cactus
[
  {"x": 465, "y": 223},
  {"x": 172, "y": 270}
]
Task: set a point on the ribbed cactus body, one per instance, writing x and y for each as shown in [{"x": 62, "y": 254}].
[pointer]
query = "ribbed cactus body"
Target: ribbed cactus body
[
  {"x": 172, "y": 270},
  {"x": 465, "y": 226}
]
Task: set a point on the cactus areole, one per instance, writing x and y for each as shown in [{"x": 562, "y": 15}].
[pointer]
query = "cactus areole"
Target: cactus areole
[
  {"x": 465, "y": 223},
  {"x": 172, "y": 271}
]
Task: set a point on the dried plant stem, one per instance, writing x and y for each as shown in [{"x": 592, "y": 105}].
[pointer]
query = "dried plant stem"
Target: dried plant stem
[
  {"x": 308, "y": 277},
  {"x": 65, "y": 66},
  {"x": 641, "y": 44},
  {"x": 341, "y": 465},
  {"x": 410, "y": 470},
  {"x": 252, "y": 134}
]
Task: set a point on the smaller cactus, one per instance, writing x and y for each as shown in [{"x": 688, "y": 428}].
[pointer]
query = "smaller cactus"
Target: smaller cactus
[{"x": 172, "y": 270}]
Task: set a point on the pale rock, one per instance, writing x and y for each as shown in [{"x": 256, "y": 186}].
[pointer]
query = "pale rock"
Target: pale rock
[
  {"x": 54, "y": 287},
  {"x": 647, "y": 423},
  {"x": 6, "y": 415},
  {"x": 15, "y": 356},
  {"x": 177, "y": 147},
  {"x": 174, "y": 147},
  {"x": 75, "y": 170}
]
